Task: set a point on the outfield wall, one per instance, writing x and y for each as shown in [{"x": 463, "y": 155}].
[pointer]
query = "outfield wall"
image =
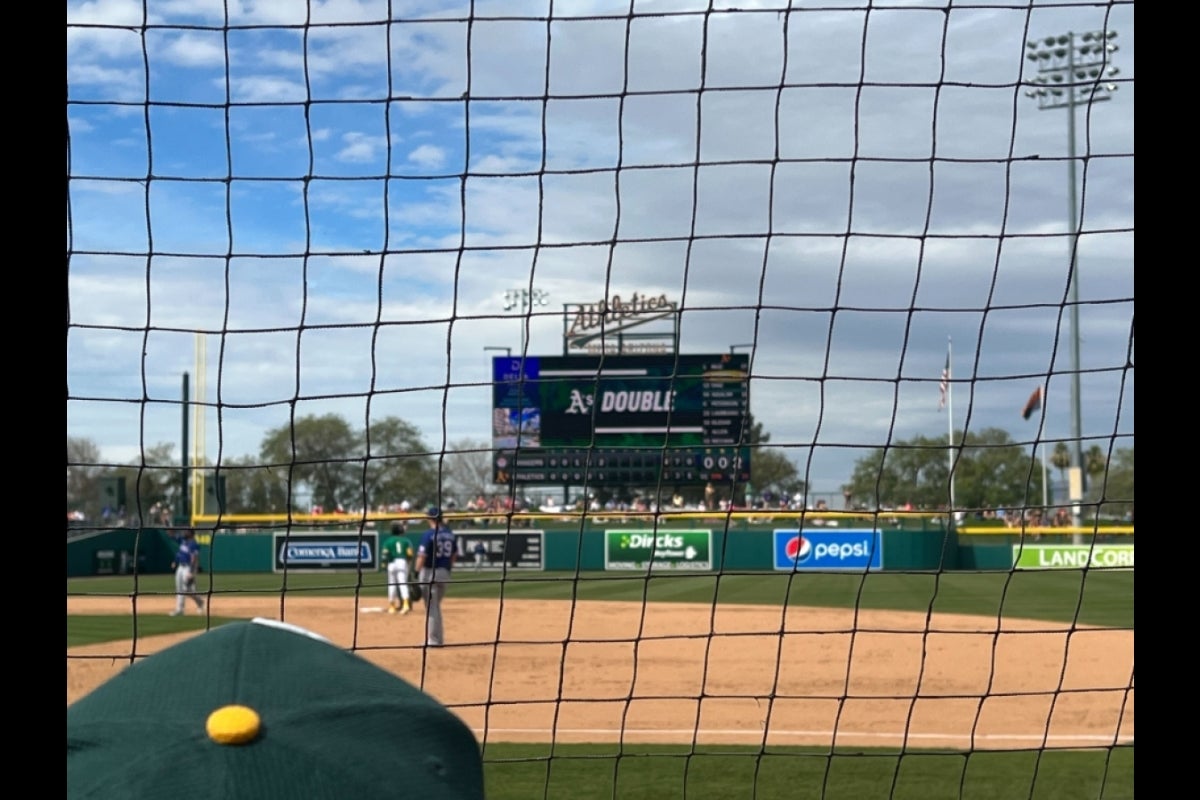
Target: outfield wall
[
  {"x": 116, "y": 551},
  {"x": 595, "y": 549}
]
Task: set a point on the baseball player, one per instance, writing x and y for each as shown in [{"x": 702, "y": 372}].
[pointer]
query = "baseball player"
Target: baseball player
[
  {"x": 394, "y": 556},
  {"x": 435, "y": 561},
  {"x": 187, "y": 564}
]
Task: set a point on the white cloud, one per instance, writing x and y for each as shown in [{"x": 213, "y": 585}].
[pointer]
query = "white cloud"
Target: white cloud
[
  {"x": 266, "y": 89},
  {"x": 428, "y": 155},
  {"x": 359, "y": 147},
  {"x": 189, "y": 50},
  {"x": 829, "y": 237}
]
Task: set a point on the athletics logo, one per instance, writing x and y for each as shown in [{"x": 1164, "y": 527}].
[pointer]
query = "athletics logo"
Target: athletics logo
[
  {"x": 580, "y": 403},
  {"x": 798, "y": 549}
]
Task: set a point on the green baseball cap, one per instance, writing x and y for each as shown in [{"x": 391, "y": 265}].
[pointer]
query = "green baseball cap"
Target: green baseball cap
[{"x": 265, "y": 709}]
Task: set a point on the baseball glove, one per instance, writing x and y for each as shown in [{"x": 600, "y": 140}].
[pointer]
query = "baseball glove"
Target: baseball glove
[{"x": 415, "y": 593}]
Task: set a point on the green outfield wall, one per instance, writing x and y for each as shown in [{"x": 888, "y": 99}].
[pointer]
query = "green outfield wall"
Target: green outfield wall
[
  {"x": 117, "y": 551},
  {"x": 591, "y": 548}
]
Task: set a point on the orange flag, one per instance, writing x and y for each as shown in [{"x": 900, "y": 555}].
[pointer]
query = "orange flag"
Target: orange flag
[{"x": 1032, "y": 404}]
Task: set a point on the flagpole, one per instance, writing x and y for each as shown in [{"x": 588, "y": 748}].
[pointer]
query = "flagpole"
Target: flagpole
[
  {"x": 1041, "y": 441},
  {"x": 950, "y": 419}
]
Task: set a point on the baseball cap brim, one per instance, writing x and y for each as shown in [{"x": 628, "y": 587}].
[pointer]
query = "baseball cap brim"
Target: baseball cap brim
[{"x": 313, "y": 721}]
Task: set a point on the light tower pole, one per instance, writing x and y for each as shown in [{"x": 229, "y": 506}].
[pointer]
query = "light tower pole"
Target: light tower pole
[{"x": 1072, "y": 70}]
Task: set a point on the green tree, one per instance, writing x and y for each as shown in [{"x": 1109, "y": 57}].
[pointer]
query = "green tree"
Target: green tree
[
  {"x": 1061, "y": 460},
  {"x": 1094, "y": 462},
  {"x": 772, "y": 471},
  {"x": 913, "y": 471},
  {"x": 754, "y": 436},
  {"x": 152, "y": 485},
  {"x": 990, "y": 470},
  {"x": 386, "y": 463},
  {"x": 993, "y": 470},
  {"x": 83, "y": 476},
  {"x": 467, "y": 470},
  {"x": 320, "y": 452},
  {"x": 754, "y": 433},
  {"x": 252, "y": 488},
  {"x": 1115, "y": 492},
  {"x": 400, "y": 465}
]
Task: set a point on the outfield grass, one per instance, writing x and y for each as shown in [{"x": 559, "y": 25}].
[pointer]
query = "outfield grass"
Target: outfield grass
[
  {"x": 650, "y": 772},
  {"x": 643, "y": 772},
  {"x": 1094, "y": 597},
  {"x": 84, "y": 629}
]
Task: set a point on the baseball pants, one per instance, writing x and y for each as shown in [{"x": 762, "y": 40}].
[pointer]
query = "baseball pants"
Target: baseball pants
[
  {"x": 397, "y": 580},
  {"x": 185, "y": 586},
  {"x": 435, "y": 583}
]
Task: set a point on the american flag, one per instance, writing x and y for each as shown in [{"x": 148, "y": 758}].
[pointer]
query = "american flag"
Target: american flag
[{"x": 944, "y": 385}]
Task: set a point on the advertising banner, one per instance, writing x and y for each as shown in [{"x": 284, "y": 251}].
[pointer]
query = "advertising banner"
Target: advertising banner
[
  {"x": 686, "y": 549},
  {"x": 1073, "y": 556},
  {"x": 849, "y": 549},
  {"x": 511, "y": 549},
  {"x": 319, "y": 552}
]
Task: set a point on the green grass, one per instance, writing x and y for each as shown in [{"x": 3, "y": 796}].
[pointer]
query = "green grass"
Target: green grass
[
  {"x": 1097, "y": 597},
  {"x": 83, "y": 629},
  {"x": 602, "y": 772},
  {"x": 649, "y": 772}
]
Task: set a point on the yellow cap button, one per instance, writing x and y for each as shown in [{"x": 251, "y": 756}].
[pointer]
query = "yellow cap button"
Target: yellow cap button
[{"x": 233, "y": 725}]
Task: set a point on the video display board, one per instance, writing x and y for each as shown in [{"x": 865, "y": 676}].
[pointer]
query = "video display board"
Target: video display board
[{"x": 625, "y": 419}]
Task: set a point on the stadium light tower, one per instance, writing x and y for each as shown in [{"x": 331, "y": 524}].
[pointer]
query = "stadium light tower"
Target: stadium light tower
[{"x": 1073, "y": 70}]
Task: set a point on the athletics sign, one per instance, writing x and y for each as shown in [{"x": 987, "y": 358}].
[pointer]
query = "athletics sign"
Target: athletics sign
[{"x": 586, "y": 327}]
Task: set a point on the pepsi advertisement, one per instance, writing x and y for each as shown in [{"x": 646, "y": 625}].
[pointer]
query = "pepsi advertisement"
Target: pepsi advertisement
[{"x": 857, "y": 550}]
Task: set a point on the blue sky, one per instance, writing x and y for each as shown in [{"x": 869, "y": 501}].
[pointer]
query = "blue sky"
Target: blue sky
[{"x": 288, "y": 180}]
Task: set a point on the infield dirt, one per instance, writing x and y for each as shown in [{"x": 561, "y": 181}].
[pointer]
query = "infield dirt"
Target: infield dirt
[{"x": 536, "y": 671}]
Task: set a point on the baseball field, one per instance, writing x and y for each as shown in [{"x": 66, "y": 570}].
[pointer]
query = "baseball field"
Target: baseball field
[{"x": 963, "y": 685}]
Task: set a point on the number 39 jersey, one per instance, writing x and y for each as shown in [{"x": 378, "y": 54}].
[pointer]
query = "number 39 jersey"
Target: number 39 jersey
[{"x": 438, "y": 547}]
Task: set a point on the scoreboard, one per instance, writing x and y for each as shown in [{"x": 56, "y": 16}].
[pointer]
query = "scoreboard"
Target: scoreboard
[{"x": 625, "y": 419}]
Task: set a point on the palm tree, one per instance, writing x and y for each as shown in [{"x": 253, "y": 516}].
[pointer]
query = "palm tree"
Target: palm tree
[
  {"x": 1094, "y": 462},
  {"x": 1061, "y": 459}
]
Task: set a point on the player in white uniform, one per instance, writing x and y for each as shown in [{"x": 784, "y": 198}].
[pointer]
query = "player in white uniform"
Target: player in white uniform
[{"x": 394, "y": 555}]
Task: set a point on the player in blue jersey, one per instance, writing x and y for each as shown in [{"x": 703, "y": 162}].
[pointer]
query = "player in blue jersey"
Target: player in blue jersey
[
  {"x": 187, "y": 565},
  {"x": 435, "y": 561}
]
